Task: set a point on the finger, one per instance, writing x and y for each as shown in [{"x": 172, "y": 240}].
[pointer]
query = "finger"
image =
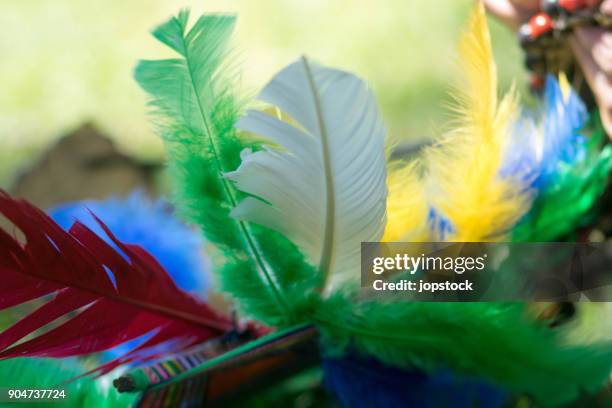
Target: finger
[
  {"x": 592, "y": 3},
  {"x": 600, "y": 83},
  {"x": 504, "y": 10},
  {"x": 606, "y": 7},
  {"x": 598, "y": 42},
  {"x": 526, "y": 4},
  {"x": 512, "y": 12}
]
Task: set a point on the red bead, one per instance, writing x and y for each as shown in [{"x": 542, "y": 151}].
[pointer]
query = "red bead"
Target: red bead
[
  {"x": 536, "y": 82},
  {"x": 572, "y": 5},
  {"x": 540, "y": 24}
]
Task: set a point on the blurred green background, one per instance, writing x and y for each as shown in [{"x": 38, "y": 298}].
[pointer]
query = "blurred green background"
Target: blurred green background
[{"x": 67, "y": 62}]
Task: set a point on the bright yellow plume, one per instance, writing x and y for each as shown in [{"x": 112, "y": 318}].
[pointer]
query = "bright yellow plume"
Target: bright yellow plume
[
  {"x": 406, "y": 205},
  {"x": 463, "y": 182}
]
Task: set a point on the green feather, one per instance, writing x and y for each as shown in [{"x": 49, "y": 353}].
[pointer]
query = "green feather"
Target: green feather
[
  {"x": 39, "y": 373},
  {"x": 566, "y": 205},
  {"x": 492, "y": 340},
  {"x": 196, "y": 109}
]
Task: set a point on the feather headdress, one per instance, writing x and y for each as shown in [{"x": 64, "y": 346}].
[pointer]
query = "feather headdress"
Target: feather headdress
[
  {"x": 287, "y": 210},
  {"x": 295, "y": 183},
  {"x": 305, "y": 176}
]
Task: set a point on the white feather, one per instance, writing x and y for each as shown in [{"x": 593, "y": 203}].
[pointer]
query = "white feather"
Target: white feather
[{"x": 323, "y": 186}]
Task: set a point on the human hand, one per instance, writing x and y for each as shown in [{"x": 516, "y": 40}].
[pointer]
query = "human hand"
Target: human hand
[
  {"x": 592, "y": 47},
  {"x": 512, "y": 12}
]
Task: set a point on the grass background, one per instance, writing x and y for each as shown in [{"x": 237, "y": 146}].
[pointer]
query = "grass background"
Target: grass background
[{"x": 65, "y": 62}]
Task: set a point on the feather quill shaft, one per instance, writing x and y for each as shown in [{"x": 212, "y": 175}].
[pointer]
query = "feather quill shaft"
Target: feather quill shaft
[
  {"x": 328, "y": 235},
  {"x": 253, "y": 249}
]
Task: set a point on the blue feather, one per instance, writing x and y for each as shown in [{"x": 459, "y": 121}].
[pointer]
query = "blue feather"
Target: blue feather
[
  {"x": 369, "y": 383},
  {"x": 440, "y": 225},
  {"x": 547, "y": 139},
  {"x": 138, "y": 220}
]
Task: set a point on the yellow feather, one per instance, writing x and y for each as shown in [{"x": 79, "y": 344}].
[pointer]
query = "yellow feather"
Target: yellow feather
[
  {"x": 463, "y": 168},
  {"x": 565, "y": 86},
  {"x": 406, "y": 205}
]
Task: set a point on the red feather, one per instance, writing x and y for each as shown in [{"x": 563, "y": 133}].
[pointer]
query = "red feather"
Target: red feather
[{"x": 73, "y": 270}]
